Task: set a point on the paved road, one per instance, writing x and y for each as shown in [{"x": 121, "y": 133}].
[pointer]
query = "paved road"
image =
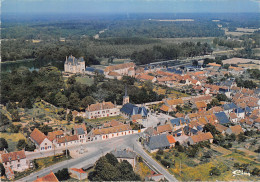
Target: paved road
[{"x": 96, "y": 150}]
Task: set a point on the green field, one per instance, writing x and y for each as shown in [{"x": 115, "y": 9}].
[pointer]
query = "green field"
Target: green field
[{"x": 185, "y": 168}]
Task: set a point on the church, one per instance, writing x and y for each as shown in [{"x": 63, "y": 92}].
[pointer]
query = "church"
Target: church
[
  {"x": 73, "y": 65},
  {"x": 129, "y": 110}
]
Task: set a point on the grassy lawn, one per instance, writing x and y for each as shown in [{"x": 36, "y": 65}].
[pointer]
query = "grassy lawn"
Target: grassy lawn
[
  {"x": 43, "y": 163},
  {"x": 185, "y": 168},
  {"x": 12, "y": 139},
  {"x": 85, "y": 80},
  {"x": 142, "y": 169},
  {"x": 100, "y": 121}
]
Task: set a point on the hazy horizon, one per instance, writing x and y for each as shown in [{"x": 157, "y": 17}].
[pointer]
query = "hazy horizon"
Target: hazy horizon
[{"x": 129, "y": 6}]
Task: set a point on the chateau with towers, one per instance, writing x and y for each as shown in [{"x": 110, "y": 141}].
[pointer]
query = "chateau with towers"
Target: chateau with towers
[{"x": 73, "y": 65}]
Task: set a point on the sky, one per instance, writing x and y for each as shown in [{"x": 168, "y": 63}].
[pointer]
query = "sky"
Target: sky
[{"x": 129, "y": 6}]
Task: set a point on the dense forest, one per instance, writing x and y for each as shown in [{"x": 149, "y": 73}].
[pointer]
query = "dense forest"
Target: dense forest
[
  {"x": 123, "y": 36},
  {"x": 158, "y": 29},
  {"x": 26, "y": 87}
]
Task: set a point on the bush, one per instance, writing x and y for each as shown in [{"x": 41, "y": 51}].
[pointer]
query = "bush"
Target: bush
[
  {"x": 3, "y": 144},
  {"x": 166, "y": 163},
  {"x": 255, "y": 172},
  {"x": 157, "y": 157},
  {"x": 62, "y": 174},
  {"x": 214, "y": 171},
  {"x": 160, "y": 152},
  {"x": 2, "y": 169}
]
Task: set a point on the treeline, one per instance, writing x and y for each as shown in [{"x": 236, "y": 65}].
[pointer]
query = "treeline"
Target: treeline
[
  {"x": 26, "y": 87},
  {"x": 107, "y": 168},
  {"x": 157, "y": 29},
  {"x": 51, "y": 30},
  {"x": 174, "y": 51},
  {"x": 227, "y": 43}
]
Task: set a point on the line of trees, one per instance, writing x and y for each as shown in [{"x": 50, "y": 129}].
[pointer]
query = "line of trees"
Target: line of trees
[{"x": 174, "y": 51}]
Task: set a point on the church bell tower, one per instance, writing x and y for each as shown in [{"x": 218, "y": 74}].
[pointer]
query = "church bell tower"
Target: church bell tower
[{"x": 126, "y": 97}]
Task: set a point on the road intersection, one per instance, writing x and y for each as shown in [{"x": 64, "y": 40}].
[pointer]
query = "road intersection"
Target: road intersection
[{"x": 95, "y": 151}]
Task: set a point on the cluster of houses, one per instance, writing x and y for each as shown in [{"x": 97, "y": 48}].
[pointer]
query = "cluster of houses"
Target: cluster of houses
[{"x": 237, "y": 116}]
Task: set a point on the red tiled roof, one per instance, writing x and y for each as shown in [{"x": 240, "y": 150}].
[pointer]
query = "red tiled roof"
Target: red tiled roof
[
  {"x": 221, "y": 128},
  {"x": 237, "y": 129},
  {"x": 83, "y": 126},
  {"x": 164, "y": 108},
  {"x": 13, "y": 156},
  {"x": 171, "y": 139},
  {"x": 164, "y": 128},
  {"x": 37, "y": 136},
  {"x": 67, "y": 139},
  {"x": 201, "y": 104},
  {"x": 145, "y": 77},
  {"x": 119, "y": 66},
  {"x": 100, "y": 106},
  {"x": 48, "y": 178},
  {"x": 78, "y": 170},
  {"x": 201, "y": 137},
  {"x": 52, "y": 135}
]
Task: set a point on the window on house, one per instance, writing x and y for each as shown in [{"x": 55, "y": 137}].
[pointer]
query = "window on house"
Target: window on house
[{"x": 18, "y": 165}]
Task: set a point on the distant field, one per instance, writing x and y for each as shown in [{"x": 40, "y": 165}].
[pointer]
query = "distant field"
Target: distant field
[
  {"x": 250, "y": 66},
  {"x": 239, "y": 60},
  {"x": 248, "y": 30}
]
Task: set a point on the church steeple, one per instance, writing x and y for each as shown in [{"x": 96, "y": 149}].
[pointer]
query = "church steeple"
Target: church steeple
[{"x": 126, "y": 97}]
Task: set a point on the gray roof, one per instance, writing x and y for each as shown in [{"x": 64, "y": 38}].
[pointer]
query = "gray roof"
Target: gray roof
[
  {"x": 131, "y": 110},
  {"x": 158, "y": 142},
  {"x": 72, "y": 60},
  {"x": 123, "y": 154},
  {"x": 222, "y": 118},
  {"x": 80, "y": 131},
  {"x": 229, "y": 106}
]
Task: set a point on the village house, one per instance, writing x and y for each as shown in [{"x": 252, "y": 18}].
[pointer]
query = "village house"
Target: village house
[
  {"x": 79, "y": 174},
  {"x": 222, "y": 129},
  {"x": 81, "y": 131},
  {"x": 200, "y": 138},
  {"x": 222, "y": 118},
  {"x": 125, "y": 154},
  {"x": 157, "y": 142},
  {"x": 17, "y": 161},
  {"x": 73, "y": 65},
  {"x": 55, "y": 134},
  {"x": 201, "y": 105},
  {"x": 178, "y": 123},
  {"x": 155, "y": 177},
  {"x": 40, "y": 140},
  {"x": 171, "y": 140},
  {"x": 66, "y": 141},
  {"x": 110, "y": 132},
  {"x": 146, "y": 77},
  {"x": 237, "y": 129},
  {"x": 99, "y": 110},
  {"x": 47, "y": 178},
  {"x": 164, "y": 129},
  {"x": 121, "y": 69},
  {"x": 233, "y": 117}
]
